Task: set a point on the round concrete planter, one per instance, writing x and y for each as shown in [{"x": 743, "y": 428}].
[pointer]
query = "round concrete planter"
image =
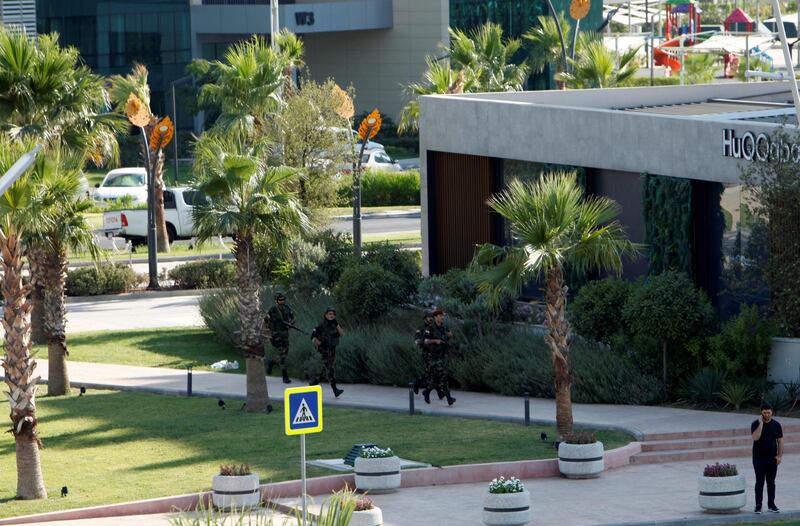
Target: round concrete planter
[
  {"x": 235, "y": 492},
  {"x": 372, "y": 517},
  {"x": 377, "y": 475},
  {"x": 507, "y": 509},
  {"x": 722, "y": 494},
  {"x": 580, "y": 461}
]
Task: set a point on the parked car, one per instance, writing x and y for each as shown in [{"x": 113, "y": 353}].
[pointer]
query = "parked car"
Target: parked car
[
  {"x": 131, "y": 224},
  {"x": 371, "y": 145},
  {"x": 121, "y": 182},
  {"x": 379, "y": 161}
]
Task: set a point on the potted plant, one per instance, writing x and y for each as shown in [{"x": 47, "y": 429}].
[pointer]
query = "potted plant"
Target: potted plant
[
  {"x": 366, "y": 513},
  {"x": 506, "y": 503},
  {"x": 721, "y": 489},
  {"x": 235, "y": 487},
  {"x": 580, "y": 456},
  {"x": 377, "y": 470}
]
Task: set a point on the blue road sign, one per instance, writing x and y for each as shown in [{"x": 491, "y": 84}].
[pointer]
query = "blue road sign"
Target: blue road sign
[{"x": 303, "y": 410}]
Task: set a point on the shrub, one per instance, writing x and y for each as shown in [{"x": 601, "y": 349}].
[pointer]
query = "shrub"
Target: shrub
[
  {"x": 384, "y": 188},
  {"x": 596, "y": 311},
  {"x": 704, "y": 387},
  {"x": 402, "y": 263},
  {"x": 303, "y": 273},
  {"x": 376, "y": 452},
  {"x": 208, "y": 274},
  {"x": 367, "y": 292},
  {"x": 338, "y": 253},
  {"x": 720, "y": 470},
  {"x": 743, "y": 346},
  {"x": 218, "y": 310},
  {"x": 777, "y": 399},
  {"x": 503, "y": 485},
  {"x": 736, "y": 394},
  {"x": 391, "y": 357},
  {"x": 364, "y": 503},
  {"x": 102, "y": 279},
  {"x": 580, "y": 437},
  {"x": 233, "y": 470}
]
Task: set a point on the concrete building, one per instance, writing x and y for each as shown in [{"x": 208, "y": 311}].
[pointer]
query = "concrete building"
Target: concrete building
[
  {"x": 471, "y": 145},
  {"x": 19, "y": 15}
]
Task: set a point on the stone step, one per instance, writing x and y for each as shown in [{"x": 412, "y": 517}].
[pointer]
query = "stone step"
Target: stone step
[
  {"x": 707, "y": 443},
  {"x": 657, "y": 457},
  {"x": 743, "y": 431}
]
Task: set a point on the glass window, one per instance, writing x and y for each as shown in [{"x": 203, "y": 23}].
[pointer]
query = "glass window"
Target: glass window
[
  {"x": 169, "y": 200},
  {"x": 365, "y": 158},
  {"x": 124, "y": 180},
  {"x": 166, "y": 28},
  {"x": 381, "y": 157},
  {"x": 194, "y": 198}
]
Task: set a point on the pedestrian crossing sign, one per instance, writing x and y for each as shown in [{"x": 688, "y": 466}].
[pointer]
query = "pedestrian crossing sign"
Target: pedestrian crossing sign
[{"x": 303, "y": 410}]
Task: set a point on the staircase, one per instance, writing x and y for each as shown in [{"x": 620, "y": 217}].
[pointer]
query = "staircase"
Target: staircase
[{"x": 712, "y": 445}]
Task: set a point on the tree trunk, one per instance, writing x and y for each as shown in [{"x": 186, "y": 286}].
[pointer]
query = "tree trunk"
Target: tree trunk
[
  {"x": 557, "y": 339},
  {"x": 162, "y": 238},
  {"x": 250, "y": 321},
  {"x": 55, "y": 323},
  {"x": 664, "y": 364},
  {"x": 19, "y": 368},
  {"x": 36, "y": 265}
]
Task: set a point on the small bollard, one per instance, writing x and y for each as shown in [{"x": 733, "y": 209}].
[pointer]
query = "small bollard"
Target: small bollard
[
  {"x": 411, "y": 398},
  {"x": 189, "y": 380},
  {"x": 527, "y": 409}
]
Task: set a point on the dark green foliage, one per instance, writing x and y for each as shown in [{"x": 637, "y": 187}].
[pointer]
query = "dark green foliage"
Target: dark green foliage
[
  {"x": 304, "y": 274},
  {"x": 103, "y": 279},
  {"x": 596, "y": 311},
  {"x": 743, "y": 278},
  {"x": 736, "y": 394},
  {"x": 705, "y": 386},
  {"x": 338, "y": 249},
  {"x": 208, "y": 274},
  {"x": 404, "y": 264},
  {"x": 366, "y": 291},
  {"x": 742, "y": 348},
  {"x": 384, "y": 188},
  {"x": 218, "y": 310},
  {"x": 667, "y": 208},
  {"x": 391, "y": 357},
  {"x": 774, "y": 187},
  {"x": 657, "y": 81},
  {"x": 777, "y": 399}
]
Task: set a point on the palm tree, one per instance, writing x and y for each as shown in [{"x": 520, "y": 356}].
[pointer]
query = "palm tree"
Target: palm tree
[
  {"x": 19, "y": 208},
  {"x": 596, "y": 66},
  {"x": 439, "y": 78},
  {"x": 292, "y": 50},
  {"x": 485, "y": 53},
  {"x": 121, "y": 88},
  {"x": 556, "y": 229},
  {"x": 246, "y": 198},
  {"x": 548, "y": 41},
  {"x": 47, "y": 246}
]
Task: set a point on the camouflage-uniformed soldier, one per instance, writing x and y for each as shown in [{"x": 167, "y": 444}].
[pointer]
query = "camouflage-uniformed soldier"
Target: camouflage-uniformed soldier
[
  {"x": 325, "y": 338},
  {"x": 419, "y": 341},
  {"x": 279, "y": 317},
  {"x": 437, "y": 340}
]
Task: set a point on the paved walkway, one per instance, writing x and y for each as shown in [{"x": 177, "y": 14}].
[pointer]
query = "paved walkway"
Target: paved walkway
[
  {"x": 636, "y": 419},
  {"x": 137, "y": 310}
]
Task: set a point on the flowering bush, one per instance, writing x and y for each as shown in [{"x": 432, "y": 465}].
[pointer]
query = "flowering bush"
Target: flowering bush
[
  {"x": 233, "y": 470},
  {"x": 580, "y": 438},
  {"x": 503, "y": 485},
  {"x": 364, "y": 504},
  {"x": 376, "y": 452},
  {"x": 720, "y": 470}
]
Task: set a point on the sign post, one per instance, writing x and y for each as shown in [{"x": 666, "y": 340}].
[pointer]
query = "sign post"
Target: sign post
[{"x": 303, "y": 415}]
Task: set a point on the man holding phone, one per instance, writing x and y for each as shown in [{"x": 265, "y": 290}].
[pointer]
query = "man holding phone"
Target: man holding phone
[{"x": 767, "y": 453}]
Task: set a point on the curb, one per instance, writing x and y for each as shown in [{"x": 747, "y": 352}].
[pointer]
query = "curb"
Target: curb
[
  {"x": 448, "y": 475},
  {"x": 372, "y": 215},
  {"x": 137, "y": 295},
  {"x": 746, "y": 517}
]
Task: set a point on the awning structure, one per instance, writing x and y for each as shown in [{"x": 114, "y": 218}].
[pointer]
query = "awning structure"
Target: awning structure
[{"x": 738, "y": 44}]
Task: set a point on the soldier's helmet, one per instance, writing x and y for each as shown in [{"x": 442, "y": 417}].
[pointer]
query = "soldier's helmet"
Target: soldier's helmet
[
  {"x": 330, "y": 309},
  {"x": 428, "y": 313},
  {"x": 280, "y": 296}
]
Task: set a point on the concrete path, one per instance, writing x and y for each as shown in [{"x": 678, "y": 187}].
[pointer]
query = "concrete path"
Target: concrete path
[
  {"x": 134, "y": 311},
  {"x": 636, "y": 419}
]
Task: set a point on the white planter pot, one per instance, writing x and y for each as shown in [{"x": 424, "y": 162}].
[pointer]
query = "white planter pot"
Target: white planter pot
[
  {"x": 377, "y": 475},
  {"x": 507, "y": 509},
  {"x": 235, "y": 492},
  {"x": 784, "y": 360},
  {"x": 372, "y": 517},
  {"x": 722, "y": 494},
  {"x": 580, "y": 461}
]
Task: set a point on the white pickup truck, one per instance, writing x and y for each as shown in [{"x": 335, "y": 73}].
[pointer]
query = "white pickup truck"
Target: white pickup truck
[{"x": 132, "y": 224}]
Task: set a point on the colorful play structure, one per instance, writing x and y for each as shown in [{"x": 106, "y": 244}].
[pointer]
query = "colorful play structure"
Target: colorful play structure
[
  {"x": 682, "y": 18},
  {"x": 739, "y": 18}
]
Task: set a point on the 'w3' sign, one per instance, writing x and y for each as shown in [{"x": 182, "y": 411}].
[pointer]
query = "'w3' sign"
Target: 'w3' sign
[{"x": 304, "y": 18}]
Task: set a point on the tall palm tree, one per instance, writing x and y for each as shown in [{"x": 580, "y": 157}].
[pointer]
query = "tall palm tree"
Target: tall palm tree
[
  {"x": 547, "y": 43},
  {"x": 556, "y": 229},
  {"x": 20, "y": 208},
  {"x": 488, "y": 56},
  {"x": 439, "y": 78},
  {"x": 121, "y": 88},
  {"x": 596, "y": 66},
  {"x": 47, "y": 245},
  {"x": 292, "y": 50},
  {"x": 246, "y": 198}
]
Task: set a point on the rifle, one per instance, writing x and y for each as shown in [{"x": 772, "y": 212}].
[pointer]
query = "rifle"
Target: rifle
[{"x": 298, "y": 329}]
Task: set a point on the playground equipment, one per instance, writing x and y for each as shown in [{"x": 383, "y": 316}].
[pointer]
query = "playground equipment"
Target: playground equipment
[
  {"x": 736, "y": 18},
  {"x": 682, "y": 17}
]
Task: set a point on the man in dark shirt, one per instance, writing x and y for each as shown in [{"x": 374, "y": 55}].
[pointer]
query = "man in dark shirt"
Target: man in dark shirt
[{"x": 767, "y": 453}]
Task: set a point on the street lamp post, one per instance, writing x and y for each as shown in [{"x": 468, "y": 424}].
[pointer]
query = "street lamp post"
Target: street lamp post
[{"x": 18, "y": 168}]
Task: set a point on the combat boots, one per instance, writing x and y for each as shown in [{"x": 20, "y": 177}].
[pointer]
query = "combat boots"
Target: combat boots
[
  {"x": 440, "y": 393},
  {"x": 450, "y": 399},
  {"x": 270, "y": 365},
  {"x": 286, "y": 379},
  {"x": 336, "y": 390},
  {"x": 426, "y": 394}
]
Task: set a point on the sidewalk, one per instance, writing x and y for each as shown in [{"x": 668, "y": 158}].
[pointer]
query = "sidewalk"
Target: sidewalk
[{"x": 637, "y": 420}]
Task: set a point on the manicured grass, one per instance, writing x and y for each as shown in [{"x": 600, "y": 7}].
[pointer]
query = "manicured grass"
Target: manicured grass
[
  {"x": 413, "y": 236},
  {"x": 345, "y": 210},
  {"x": 109, "y": 446},
  {"x": 398, "y": 152},
  {"x": 176, "y": 348}
]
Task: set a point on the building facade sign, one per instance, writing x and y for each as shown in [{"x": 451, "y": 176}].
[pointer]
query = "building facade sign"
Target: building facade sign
[{"x": 758, "y": 147}]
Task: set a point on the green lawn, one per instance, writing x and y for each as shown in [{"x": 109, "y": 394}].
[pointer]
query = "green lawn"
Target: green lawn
[
  {"x": 175, "y": 348},
  {"x": 400, "y": 238},
  {"x": 109, "y": 446}
]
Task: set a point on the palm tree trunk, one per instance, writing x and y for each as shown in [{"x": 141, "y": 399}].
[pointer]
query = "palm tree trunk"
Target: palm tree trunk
[
  {"x": 250, "y": 320},
  {"x": 35, "y": 263},
  {"x": 19, "y": 368},
  {"x": 557, "y": 338},
  {"x": 162, "y": 238},
  {"x": 55, "y": 322}
]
